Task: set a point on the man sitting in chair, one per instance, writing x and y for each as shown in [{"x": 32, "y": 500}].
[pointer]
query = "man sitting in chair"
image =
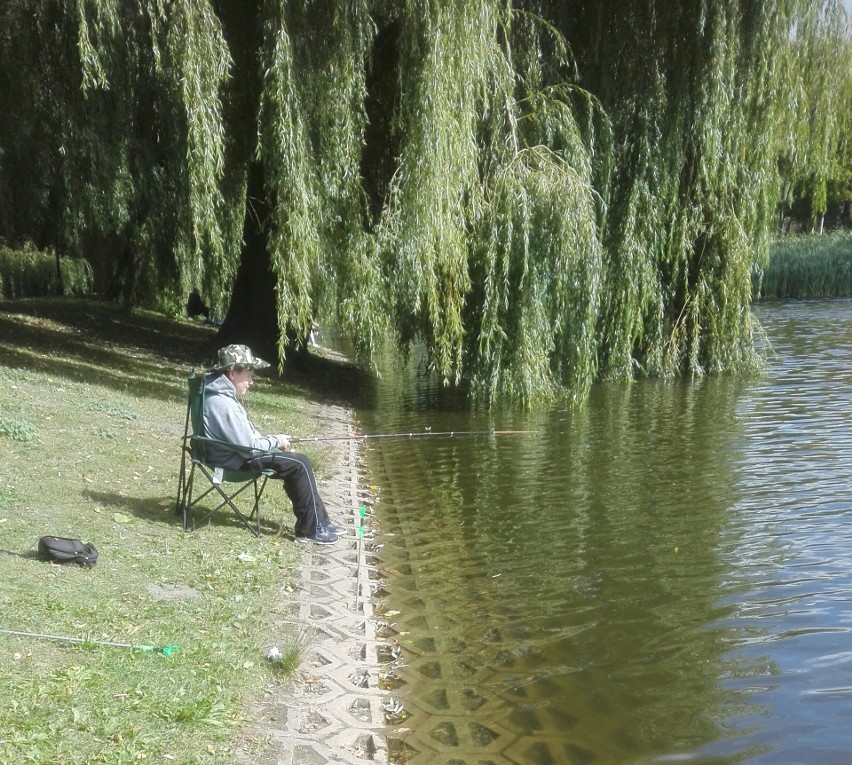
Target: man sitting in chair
[{"x": 225, "y": 419}]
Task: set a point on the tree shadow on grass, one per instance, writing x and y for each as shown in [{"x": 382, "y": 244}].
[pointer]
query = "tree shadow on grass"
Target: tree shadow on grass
[
  {"x": 330, "y": 377},
  {"x": 141, "y": 352},
  {"x": 102, "y": 344}
]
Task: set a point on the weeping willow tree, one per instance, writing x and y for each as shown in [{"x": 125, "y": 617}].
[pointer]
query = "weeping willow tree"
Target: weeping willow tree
[{"x": 544, "y": 193}]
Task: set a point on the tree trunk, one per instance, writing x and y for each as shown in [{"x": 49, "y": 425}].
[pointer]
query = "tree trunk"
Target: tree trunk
[{"x": 252, "y": 317}]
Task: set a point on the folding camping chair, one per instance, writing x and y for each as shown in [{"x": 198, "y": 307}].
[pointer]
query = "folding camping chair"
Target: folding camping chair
[{"x": 225, "y": 485}]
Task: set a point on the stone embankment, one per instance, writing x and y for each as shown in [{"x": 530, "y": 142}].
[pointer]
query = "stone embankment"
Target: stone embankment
[{"x": 333, "y": 709}]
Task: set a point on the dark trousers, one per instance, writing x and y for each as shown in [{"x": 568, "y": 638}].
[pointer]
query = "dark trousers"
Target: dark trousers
[{"x": 296, "y": 473}]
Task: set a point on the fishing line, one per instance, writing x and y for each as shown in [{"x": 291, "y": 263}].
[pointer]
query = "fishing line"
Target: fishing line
[{"x": 418, "y": 434}]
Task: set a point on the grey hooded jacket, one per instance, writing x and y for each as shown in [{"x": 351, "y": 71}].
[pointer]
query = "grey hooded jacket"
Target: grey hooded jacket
[{"x": 225, "y": 419}]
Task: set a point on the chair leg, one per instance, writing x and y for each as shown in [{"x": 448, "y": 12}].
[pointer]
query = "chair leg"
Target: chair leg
[
  {"x": 181, "y": 493},
  {"x": 185, "y": 486},
  {"x": 258, "y": 493},
  {"x": 226, "y": 500},
  {"x": 187, "y": 499}
]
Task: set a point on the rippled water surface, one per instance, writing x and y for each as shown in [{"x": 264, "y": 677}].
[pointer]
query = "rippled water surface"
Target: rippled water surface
[{"x": 662, "y": 577}]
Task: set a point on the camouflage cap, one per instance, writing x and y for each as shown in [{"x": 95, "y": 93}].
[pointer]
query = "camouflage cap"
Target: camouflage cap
[{"x": 238, "y": 356}]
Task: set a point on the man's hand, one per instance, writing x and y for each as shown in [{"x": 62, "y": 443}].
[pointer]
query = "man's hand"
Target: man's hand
[{"x": 283, "y": 442}]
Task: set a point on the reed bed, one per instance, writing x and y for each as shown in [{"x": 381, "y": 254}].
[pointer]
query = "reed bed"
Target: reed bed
[{"x": 808, "y": 266}]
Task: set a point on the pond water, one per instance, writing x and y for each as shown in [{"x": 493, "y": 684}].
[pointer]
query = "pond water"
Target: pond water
[{"x": 664, "y": 576}]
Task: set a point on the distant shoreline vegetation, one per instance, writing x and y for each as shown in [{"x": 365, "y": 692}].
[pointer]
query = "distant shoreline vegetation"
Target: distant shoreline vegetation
[
  {"x": 807, "y": 266},
  {"x": 800, "y": 266}
]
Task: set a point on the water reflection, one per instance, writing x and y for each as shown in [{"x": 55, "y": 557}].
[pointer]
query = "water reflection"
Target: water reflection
[{"x": 658, "y": 576}]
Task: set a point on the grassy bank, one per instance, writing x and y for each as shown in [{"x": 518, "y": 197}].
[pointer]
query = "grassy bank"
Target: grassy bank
[
  {"x": 92, "y": 408},
  {"x": 808, "y": 266}
]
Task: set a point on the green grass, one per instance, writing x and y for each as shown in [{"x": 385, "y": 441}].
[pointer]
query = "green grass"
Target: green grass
[
  {"x": 808, "y": 266},
  {"x": 92, "y": 408}
]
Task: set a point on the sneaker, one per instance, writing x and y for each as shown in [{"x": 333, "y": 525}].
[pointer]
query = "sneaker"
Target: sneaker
[
  {"x": 322, "y": 536},
  {"x": 336, "y": 528}
]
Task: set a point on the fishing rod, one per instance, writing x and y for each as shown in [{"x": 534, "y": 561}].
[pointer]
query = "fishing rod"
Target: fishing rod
[
  {"x": 418, "y": 434},
  {"x": 165, "y": 650}
]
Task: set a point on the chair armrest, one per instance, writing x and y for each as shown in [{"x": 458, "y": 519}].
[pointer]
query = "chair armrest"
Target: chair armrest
[{"x": 246, "y": 451}]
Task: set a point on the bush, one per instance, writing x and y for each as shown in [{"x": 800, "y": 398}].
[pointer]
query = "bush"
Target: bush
[{"x": 28, "y": 272}]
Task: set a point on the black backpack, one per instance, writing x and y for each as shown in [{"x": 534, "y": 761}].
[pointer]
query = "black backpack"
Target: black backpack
[{"x": 65, "y": 550}]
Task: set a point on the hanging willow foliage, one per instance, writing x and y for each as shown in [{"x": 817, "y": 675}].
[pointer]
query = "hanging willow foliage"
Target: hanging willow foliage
[
  {"x": 311, "y": 127},
  {"x": 699, "y": 130},
  {"x": 131, "y": 95},
  {"x": 541, "y": 269},
  {"x": 198, "y": 61},
  {"x": 544, "y": 193},
  {"x": 490, "y": 234},
  {"x": 436, "y": 192},
  {"x": 818, "y": 72}
]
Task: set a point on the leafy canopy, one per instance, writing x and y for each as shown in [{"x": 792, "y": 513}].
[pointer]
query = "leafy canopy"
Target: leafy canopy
[{"x": 544, "y": 193}]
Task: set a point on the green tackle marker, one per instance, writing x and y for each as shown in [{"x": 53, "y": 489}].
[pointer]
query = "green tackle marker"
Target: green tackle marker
[{"x": 359, "y": 532}]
